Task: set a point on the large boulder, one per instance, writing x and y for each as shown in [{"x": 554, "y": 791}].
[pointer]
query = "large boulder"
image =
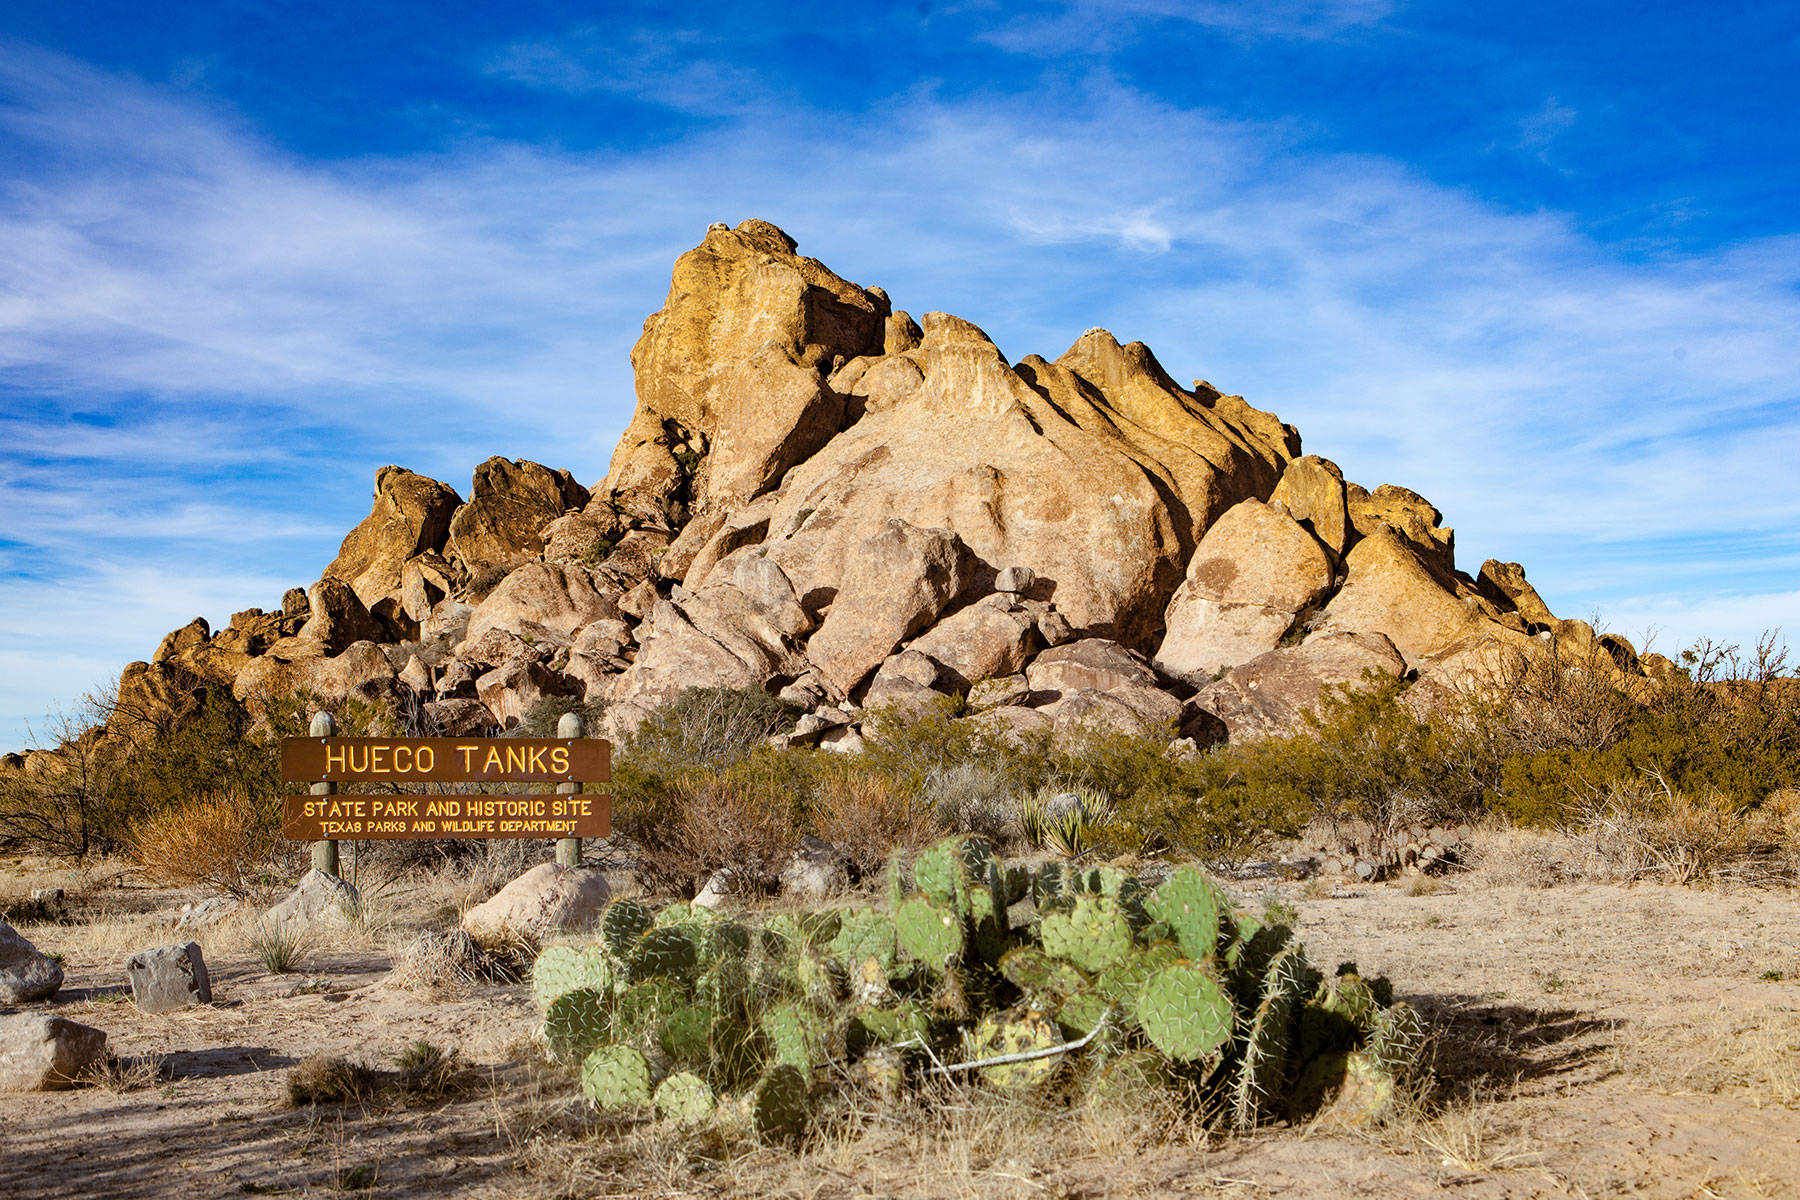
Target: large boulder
[
  {"x": 1272, "y": 693},
  {"x": 510, "y": 691},
  {"x": 336, "y": 619},
  {"x": 410, "y": 516},
  {"x": 1504, "y": 584},
  {"x": 361, "y": 672},
  {"x": 741, "y": 629},
  {"x": 318, "y": 897},
  {"x": 510, "y": 504},
  {"x": 1255, "y": 573},
  {"x": 1090, "y": 664},
  {"x": 894, "y": 584},
  {"x": 1312, "y": 492},
  {"x": 188, "y": 638},
  {"x": 731, "y": 373},
  {"x": 1407, "y": 514},
  {"x": 41, "y": 1053},
  {"x": 548, "y": 899},
  {"x": 169, "y": 978},
  {"x": 546, "y": 601},
  {"x": 990, "y": 638},
  {"x": 26, "y": 974},
  {"x": 1395, "y": 588}
]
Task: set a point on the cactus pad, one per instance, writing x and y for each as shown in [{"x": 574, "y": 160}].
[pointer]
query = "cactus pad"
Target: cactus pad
[
  {"x": 665, "y": 952},
  {"x": 862, "y": 936},
  {"x": 1184, "y": 1012},
  {"x": 996, "y": 1036},
  {"x": 622, "y": 924},
  {"x": 576, "y": 1022},
  {"x": 562, "y": 969},
  {"x": 1093, "y": 934},
  {"x": 1192, "y": 907},
  {"x": 780, "y": 1107},
  {"x": 1038, "y": 975},
  {"x": 684, "y": 1098},
  {"x": 616, "y": 1077},
  {"x": 1268, "y": 1042},
  {"x": 929, "y": 931}
]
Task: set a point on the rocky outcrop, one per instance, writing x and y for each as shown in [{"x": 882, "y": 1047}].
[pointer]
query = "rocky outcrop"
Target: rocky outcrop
[
  {"x": 410, "y": 516},
  {"x": 731, "y": 372},
  {"x": 510, "y": 504},
  {"x": 1272, "y": 692},
  {"x": 823, "y": 498},
  {"x": 1255, "y": 573}
]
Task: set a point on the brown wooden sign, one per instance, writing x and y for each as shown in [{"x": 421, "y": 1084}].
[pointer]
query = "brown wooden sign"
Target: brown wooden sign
[
  {"x": 566, "y": 813},
  {"x": 380, "y": 818},
  {"x": 446, "y": 760}
]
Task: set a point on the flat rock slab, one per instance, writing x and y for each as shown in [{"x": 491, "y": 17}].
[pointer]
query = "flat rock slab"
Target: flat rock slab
[
  {"x": 169, "y": 977},
  {"x": 26, "y": 974},
  {"x": 41, "y": 1053}
]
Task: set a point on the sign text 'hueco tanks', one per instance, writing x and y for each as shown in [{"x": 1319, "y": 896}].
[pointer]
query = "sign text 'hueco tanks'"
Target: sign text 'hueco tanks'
[
  {"x": 446, "y": 760},
  {"x": 492, "y": 761}
]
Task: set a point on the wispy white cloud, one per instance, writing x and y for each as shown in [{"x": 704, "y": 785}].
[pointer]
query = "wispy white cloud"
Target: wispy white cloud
[
  {"x": 239, "y": 319},
  {"x": 1058, "y": 27}
]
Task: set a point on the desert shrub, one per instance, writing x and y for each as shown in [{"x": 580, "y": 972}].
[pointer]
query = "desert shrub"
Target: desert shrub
[
  {"x": 866, "y": 816},
  {"x": 1730, "y": 725},
  {"x": 1365, "y": 756},
  {"x": 1644, "y": 827},
  {"x": 220, "y": 842},
  {"x": 706, "y": 727},
  {"x": 971, "y": 797},
  {"x": 546, "y": 713},
  {"x": 745, "y": 819}
]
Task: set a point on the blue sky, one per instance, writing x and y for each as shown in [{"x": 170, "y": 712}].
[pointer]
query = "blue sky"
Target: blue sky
[{"x": 1538, "y": 262}]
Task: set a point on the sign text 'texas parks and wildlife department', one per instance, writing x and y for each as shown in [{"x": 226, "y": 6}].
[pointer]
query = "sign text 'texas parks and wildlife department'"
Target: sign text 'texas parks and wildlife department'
[{"x": 400, "y": 761}]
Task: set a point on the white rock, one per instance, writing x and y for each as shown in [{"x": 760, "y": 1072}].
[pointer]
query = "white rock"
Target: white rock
[
  {"x": 318, "y": 897},
  {"x": 44, "y": 1053},
  {"x": 26, "y": 974},
  {"x": 549, "y": 898}
]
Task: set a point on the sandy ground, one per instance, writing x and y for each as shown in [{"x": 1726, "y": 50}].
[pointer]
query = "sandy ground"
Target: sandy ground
[{"x": 1595, "y": 1041}]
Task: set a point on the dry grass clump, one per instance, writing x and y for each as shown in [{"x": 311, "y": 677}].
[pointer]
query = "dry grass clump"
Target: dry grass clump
[
  {"x": 279, "y": 946},
  {"x": 447, "y": 962},
  {"x": 1648, "y": 829},
  {"x": 218, "y": 842},
  {"x": 113, "y": 1073},
  {"x": 426, "y": 1072},
  {"x": 953, "y": 1140},
  {"x": 868, "y": 817}
]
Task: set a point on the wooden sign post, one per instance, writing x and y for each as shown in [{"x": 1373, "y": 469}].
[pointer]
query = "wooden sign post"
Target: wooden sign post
[{"x": 327, "y": 816}]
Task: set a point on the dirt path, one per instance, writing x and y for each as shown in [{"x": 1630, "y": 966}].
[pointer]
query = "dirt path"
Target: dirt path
[{"x": 1596, "y": 1041}]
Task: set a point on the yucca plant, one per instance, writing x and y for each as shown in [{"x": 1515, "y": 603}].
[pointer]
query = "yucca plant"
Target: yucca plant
[{"x": 1064, "y": 822}]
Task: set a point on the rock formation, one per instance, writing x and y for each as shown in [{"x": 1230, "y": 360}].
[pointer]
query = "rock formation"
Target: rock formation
[{"x": 822, "y": 497}]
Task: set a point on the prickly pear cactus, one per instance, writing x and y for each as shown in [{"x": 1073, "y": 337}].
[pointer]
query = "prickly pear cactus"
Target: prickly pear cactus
[
  {"x": 684, "y": 1098},
  {"x": 1093, "y": 934},
  {"x": 780, "y": 1108},
  {"x": 1002, "y": 1036},
  {"x": 1035, "y": 973},
  {"x": 623, "y": 922},
  {"x": 666, "y": 951},
  {"x": 1185, "y": 1013},
  {"x": 576, "y": 1022},
  {"x": 1268, "y": 1042},
  {"x": 862, "y": 936},
  {"x": 562, "y": 969},
  {"x": 795, "y": 1036},
  {"x": 616, "y": 1077},
  {"x": 929, "y": 931},
  {"x": 1192, "y": 908}
]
